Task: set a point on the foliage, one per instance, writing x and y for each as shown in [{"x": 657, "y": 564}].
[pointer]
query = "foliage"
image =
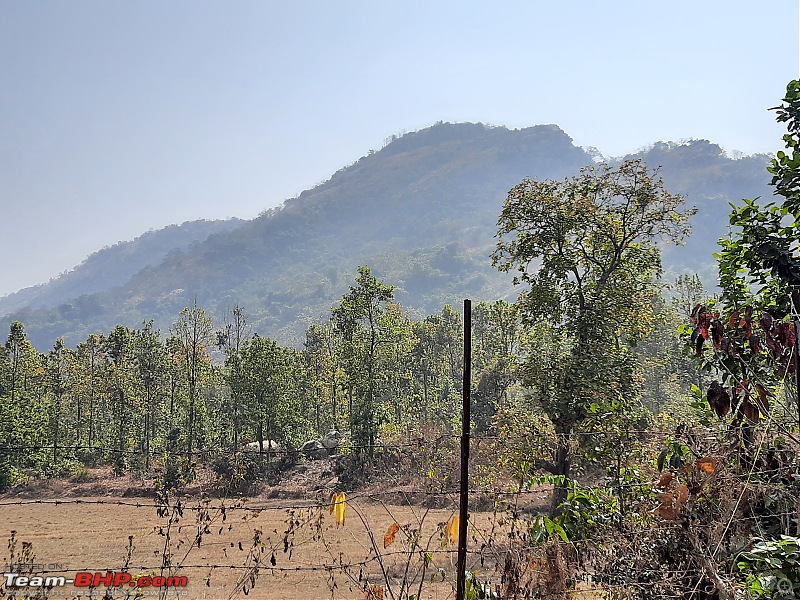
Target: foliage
[
  {"x": 772, "y": 567},
  {"x": 761, "y": 253},
  {"x": 586, "y": 250},
  {"x": 360, "y": 321},
  {"x": 422, "y": 212}
]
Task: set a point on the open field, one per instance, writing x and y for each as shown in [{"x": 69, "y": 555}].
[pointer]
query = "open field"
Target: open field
[
  {"x": 290, "y": 547},
  {"x": 95, "y": 537}
]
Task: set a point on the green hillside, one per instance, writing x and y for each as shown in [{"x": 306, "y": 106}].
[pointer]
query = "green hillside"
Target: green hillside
[
  {"x": 114, "y": 265},
  {"x": 421, "y": 212}
]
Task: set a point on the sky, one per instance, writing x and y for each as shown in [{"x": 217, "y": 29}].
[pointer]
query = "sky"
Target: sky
[{"x": 119, "y": 117}]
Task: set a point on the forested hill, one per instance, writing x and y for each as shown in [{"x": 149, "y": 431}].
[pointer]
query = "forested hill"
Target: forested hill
[
  {"x": 114, "y": 265},
  {"x": 421, "y": 212}
]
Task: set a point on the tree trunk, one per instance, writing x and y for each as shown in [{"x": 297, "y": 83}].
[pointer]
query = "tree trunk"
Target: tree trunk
[{"x": 562, "y": 462}]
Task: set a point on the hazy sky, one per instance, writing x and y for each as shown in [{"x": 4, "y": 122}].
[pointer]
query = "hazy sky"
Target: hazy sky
[{"x": 118, "y": 117}]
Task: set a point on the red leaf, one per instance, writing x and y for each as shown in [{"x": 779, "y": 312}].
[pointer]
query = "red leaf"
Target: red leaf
[
  {"x": 698, "y": 340},
  {"x": 717, "y": 333},
  {"x": 694, "y": 316},
  {"x": 763, "y": 398},
  {"x": 718, "y": 399},
  {"x": 750, "y": 411},
  {"x": 733, "y": 320}
]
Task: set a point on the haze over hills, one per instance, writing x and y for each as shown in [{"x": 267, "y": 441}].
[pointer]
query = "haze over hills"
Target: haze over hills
[
  {"x": 114, "y": 265},
  {"x": 421, "y": 212}
]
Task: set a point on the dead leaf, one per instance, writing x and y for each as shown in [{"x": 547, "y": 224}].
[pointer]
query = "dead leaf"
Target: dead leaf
[
  {"x": 706, "y": 465},
  {"x": 763, "y": 398},
  {"x": 452, "y": 530},
  {"x": 718, "y": 399},
  {"x": 750, "y": 411},
  {"x": 717, "y": 333},
  {"x": 665, "y": 480},
  {"x": 666, "y": 512},
  {"x": 388, "y": 539},
  {"x": 666, "y": 498},
  {"x": 682, "y": 494},
  {"x": 338, "y": 507}
]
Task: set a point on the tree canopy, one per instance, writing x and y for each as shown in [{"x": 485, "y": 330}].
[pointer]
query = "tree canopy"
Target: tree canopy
[{"x": 586, "y": 248}]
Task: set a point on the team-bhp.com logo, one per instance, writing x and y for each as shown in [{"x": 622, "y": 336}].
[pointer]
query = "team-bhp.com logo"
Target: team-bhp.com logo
[
  {"x": 85, "y": 579},
  {"x": 783, "y": 589}
]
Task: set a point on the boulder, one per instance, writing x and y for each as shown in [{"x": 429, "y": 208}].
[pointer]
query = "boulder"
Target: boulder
[
  {"x": 331, "y": 441},
  {"x": 269, "y": 446},
  {"x": 313, "y": 449}
]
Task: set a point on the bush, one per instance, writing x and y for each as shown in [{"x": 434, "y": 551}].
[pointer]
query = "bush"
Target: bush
[{"x": 772, "y": 568}]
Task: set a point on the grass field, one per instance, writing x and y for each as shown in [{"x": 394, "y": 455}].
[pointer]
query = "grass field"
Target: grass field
[
  {"x": 96, "y": 537},
  {"x": 290, "y": 548}
]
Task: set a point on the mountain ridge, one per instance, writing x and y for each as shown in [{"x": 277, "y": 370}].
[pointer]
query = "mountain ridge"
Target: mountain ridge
[{"x": 421, "y": 211}]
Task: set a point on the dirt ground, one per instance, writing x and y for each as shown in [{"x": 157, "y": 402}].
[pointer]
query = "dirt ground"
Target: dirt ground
[{"x": 283, "y": 540}]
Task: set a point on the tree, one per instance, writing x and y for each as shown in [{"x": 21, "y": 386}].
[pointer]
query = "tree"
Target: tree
[
  {"x": 230, "y": 339},
  {"x": 761, "y": 252},
  {"x": 497, "y": 341},
  {"x": 748, "y": 339},
  {"x": 357, "y": 319},
  {"x": 272, "y": 380},
  {"x": 586, "y": 248},
  {"x": 20, "y": 357},
  {"x": 119, "y": 378},
  {"x": 437, "y": 361},
  {"x": 151, "y": 364},
  {"x": 320, "y": 352},
  {"x": 89, "y": 359},
  {"x": 192, "y": 331},
  {"x": 60, "y": 381},
  {"x": 23, "y": 418}
]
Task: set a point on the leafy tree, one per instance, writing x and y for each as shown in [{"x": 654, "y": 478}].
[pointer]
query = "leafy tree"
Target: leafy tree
[
  {"x": 89, "y": 359},
  {"x": 321, "y": 356},
  {"x": 272, "y": 378},
  {"x": 586, "y": 248},
  {"x": 119, "y": 378},
  {"x": 192, "y": 332},
  {"x": 23, "y": 420},
  {"x": 230, "y": 339},
  {"x": 497, "y": 345},
  {"x": 394, "y": 364},
  {"x": 150, "y": 357},
  {"x": 761, "y": 254},
  {"x": 667, "y": 371},
  {"x": 20, "y": 360},
  {"x": 747, "y": 339},
  {"x": 437, "y": 363},
  {"x": 60, "y": 381},
  {"x": 357, "y": 319}
]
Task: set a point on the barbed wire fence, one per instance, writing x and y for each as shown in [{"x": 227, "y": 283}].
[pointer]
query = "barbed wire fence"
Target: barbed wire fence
[{"x": 243, "y": 546}]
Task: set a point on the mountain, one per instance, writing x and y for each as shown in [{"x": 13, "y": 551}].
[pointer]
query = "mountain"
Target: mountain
[
  {"x": 421, "y": 212},
  {"x": 710, "y": 180},
  {"x": 114, "y": 265}
]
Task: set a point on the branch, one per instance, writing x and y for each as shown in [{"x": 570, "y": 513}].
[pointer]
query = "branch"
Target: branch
[{"x": 709, "y": 568}]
